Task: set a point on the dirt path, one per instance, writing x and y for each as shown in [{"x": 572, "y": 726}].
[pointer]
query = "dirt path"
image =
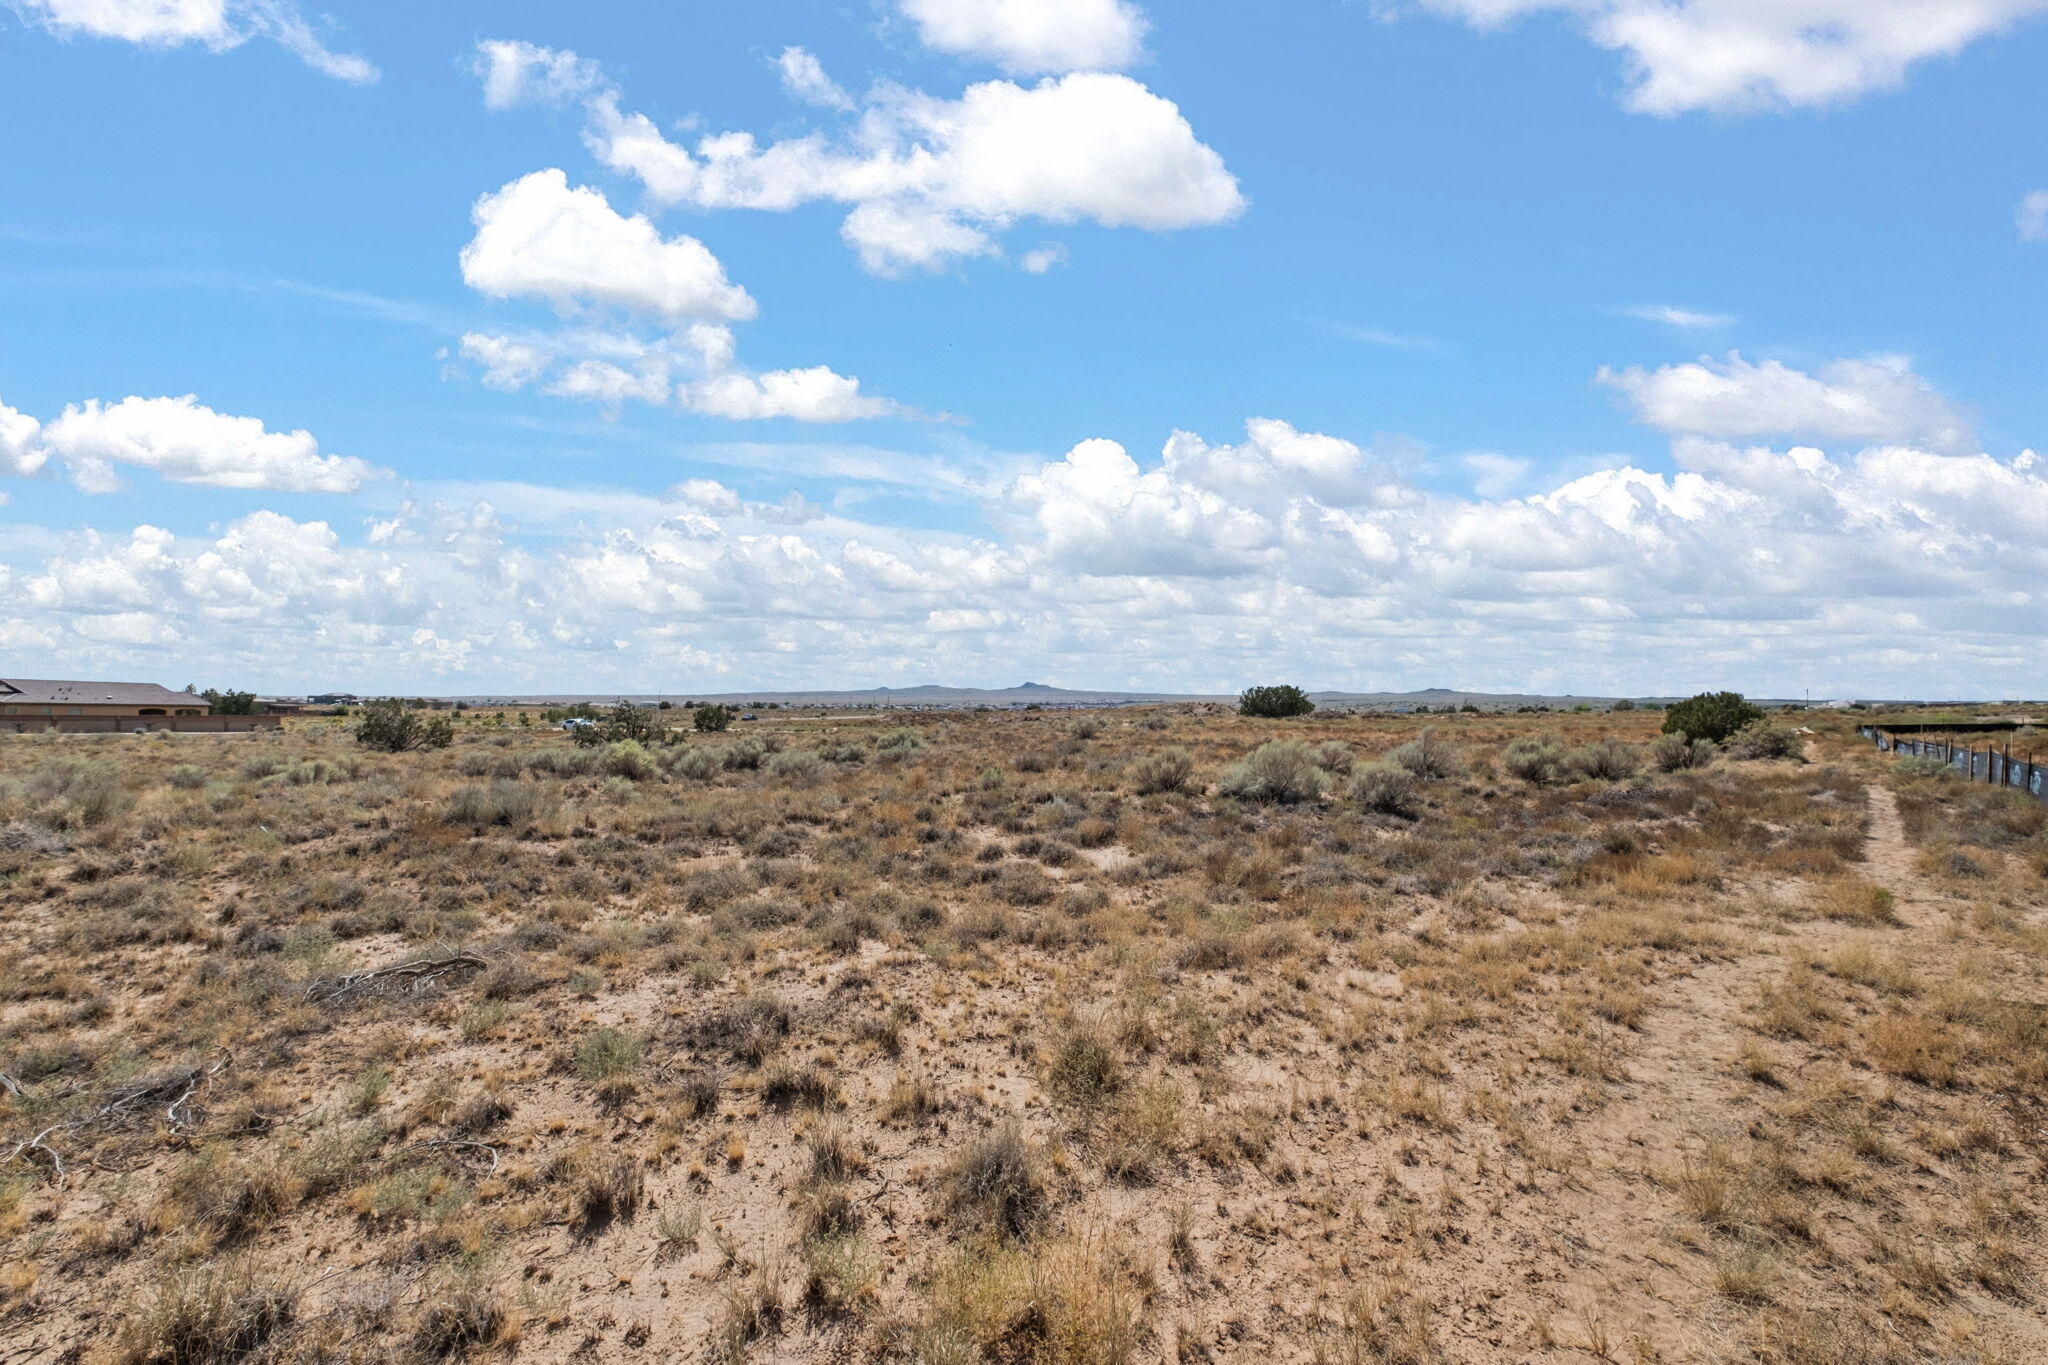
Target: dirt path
[{"x": 1887, "y": 853}]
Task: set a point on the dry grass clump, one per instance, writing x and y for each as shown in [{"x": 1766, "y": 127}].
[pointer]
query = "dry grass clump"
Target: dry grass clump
[
  {"x": 995, "y": 1185},
  {"x": 205, "y": 1314},
  {"x": 1069, "y": 1301}
]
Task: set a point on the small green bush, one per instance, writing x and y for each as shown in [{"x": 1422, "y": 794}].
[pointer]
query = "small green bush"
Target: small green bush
[{"x": 713, "y": 720}]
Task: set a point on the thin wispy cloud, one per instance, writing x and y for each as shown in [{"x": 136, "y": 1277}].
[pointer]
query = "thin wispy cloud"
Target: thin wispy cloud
[
  {"x": 1689, "y": 319},
  {"x": 1392, "y": 341}
]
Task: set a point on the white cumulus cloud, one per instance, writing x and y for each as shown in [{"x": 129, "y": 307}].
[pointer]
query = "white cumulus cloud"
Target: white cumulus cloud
[
  {"x": 620, "y": 279},
  {"x": 1745, "y": 56},
  {"x": 927, "y": 181},
  {"x": 180, "y": 439},
  {"x": 539, "y": 238},
  {"x": 217, "y": 25},
  {"x": 1874, "y": 400},
  {"x": 1031, "y": 37}
]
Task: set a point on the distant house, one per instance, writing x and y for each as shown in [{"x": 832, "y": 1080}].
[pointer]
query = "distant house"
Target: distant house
[
  {"x": 36, "y": 705},
  {"x": 44, "y": 697}
]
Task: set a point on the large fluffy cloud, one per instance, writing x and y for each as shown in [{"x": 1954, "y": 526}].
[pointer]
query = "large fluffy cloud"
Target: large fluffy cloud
[
  {"x": 1742, "y": 56},
  {"x": 618, "y": 277},
  {"x": 214, "y": 24},
  {"x": 539, "y": 238},
  {"x": 1874, "y": 400},
  {"x": 1029, "y": 37},
  {"x": 927, "y": 181},
  {"x": 180, "y": 439}
]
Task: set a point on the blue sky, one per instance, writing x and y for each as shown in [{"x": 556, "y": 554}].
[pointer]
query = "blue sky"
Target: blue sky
[{"x": 1587, "y": 344}]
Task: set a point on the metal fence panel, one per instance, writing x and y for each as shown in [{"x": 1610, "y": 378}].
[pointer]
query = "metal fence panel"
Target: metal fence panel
[{"x": 1991, "y": 767}]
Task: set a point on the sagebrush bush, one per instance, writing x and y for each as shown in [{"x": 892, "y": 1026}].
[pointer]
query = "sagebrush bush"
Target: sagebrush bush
[
  {"x": 1429, "y": 756},
  {"x": 798, "y": 766},
  {"x": 1763, "y": 738},
  {"x": 1387, "y": 788},
  {"x": 1676, "y": 753},
  {"x": 1281, "y": 770},
  {"x": 699, "y": 763},
  {"x": 1168, "y": 770},
  {"x": 629, "y": 758},
  {"x": 1539, "y": 762},
  {"x": 187, "y": 777},
  {"x": 1605, "y": 760},
  {"x": 504, "y": 802},
  {"x": 1335, "y": 757},
  {"x": 900, "y": 742}
]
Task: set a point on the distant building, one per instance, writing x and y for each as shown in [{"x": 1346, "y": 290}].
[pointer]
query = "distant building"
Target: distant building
[
  {"x": 42, "y": 697},
  {"x": 35, "y": 705}
]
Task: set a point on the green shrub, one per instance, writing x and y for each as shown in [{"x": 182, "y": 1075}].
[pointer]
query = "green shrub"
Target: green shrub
[
  {"x": 713, "y": 720},
  {"x": 1277, "y": 702},
  {"x": 1281, "y": 770},
  {"x": 389, "y": 726},
  {"x": 187, "y": 777},
  {"x": 1711, "y": 715}
]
